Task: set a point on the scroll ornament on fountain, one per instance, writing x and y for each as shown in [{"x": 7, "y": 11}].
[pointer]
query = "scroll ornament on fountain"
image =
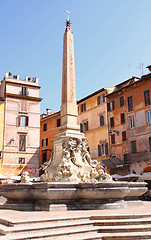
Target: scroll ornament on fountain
[{"x": 76, "y": 165}]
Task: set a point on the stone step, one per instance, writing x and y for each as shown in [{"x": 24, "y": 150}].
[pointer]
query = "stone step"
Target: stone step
[
  {"x": 127, "y": 236},
  {"x": 123, "y": 216},
  {"x": 115, "y": 222},
  {"x": 126, "y": 228},
  {"x": 53, "y": 219},
  {"x": 44, "y": 234},
  {"x": 45, "y": 226}
]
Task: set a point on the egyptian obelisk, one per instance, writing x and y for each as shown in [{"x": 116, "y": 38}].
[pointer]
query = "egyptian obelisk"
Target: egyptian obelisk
[{"x": 69, "y": 128}]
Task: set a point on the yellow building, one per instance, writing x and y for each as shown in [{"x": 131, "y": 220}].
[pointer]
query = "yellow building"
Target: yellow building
[
  {"x": 1, "y": 128},
  {"x": 92, "y": 117}
]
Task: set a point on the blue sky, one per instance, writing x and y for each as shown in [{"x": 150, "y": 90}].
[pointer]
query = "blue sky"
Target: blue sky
[{"x": 111, "y": 39}]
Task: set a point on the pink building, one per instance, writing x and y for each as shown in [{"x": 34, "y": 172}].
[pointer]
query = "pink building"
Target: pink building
[{"x": 21, "y": 125}]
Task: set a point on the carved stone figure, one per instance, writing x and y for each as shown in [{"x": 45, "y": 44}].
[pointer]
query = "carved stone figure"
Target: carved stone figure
[
  {"x": 76, "y": 165},
  {"x": 25, "y": 178}
]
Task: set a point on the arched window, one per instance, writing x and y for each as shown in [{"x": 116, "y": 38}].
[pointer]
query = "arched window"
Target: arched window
[{"x": 101, "y": 120}]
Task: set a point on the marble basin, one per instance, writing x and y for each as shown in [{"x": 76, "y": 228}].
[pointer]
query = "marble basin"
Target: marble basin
[{"x": 44, "y": 195}]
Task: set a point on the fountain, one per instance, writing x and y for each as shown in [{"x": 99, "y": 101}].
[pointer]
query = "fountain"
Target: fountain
[{"x": 71, "y": 179}]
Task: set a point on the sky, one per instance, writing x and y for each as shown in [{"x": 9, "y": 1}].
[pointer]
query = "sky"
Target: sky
[{"x": 112, "y": 43}]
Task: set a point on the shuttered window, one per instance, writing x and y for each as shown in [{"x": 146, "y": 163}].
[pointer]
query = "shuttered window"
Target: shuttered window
[
  {"x": 133, "y": 147},
  {"x": 84, "y": 126},
  {"x": 44, "y": 142},
  {"x": 130, "y": 104},
  {"x": 103, "y": 149},
  {"x": 124, "y": 136},
  {"x": 112, "y": 121},
  {"x": 112, "y": 138},
  {"x": 83, "y": 107},
  {"x": 122, "y": 118},
  {"x": 58, "y": 122},
  {"x": 22, "y": 143},
  {"x": 101, "y": 99},
  {"x": 147, "y": 98},
  {"x": 44, "y": 157},
  {"x": 101, "y": 120},
  {"x": 44, "y": 127},
  {"x": 132, "y": 121},
  {"x": 110, "y": 106},
  {"x": 150, "y": 144},
  {"x": 121, "y": 101}
]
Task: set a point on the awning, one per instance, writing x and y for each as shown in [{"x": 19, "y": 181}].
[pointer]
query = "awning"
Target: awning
[
  {"x": 112, "y": 162},
  {"x": 116, "y": 176}
]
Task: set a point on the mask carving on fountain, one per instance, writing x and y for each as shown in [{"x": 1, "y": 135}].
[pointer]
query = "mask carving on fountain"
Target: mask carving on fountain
[{"x": 76, "y": 165}]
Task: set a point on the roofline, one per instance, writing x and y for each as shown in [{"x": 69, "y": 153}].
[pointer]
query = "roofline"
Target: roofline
[
  {"x": 51, "y": 115},
  {"x": 22, "y": 84},
  {"x": 91, "y": 95},
  {"x": 144, "y": 77}
]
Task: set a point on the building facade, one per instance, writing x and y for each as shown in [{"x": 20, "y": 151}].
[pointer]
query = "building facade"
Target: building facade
[
  {"x": 129, "y": 114},
  {"x": 49, "y": 128},
  {"x": 1, "y": 128},
  {"x": 92, "y": 118},
  {"x": 93, "y": 122},
  {"x": 21, "y": 125}
]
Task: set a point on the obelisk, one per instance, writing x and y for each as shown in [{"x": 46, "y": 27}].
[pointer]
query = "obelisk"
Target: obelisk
[{"x": 69, "y": 128}]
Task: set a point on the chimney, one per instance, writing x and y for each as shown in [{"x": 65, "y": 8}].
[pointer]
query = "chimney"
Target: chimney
[
  {"x": 149, "y": 67},
  {"x": 48, "y": 111}
]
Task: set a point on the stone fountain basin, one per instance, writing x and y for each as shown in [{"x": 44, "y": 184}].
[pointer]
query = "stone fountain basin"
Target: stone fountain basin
[
  {"x": 68, "y": 190},
  {"x": 47, "y": 193}
]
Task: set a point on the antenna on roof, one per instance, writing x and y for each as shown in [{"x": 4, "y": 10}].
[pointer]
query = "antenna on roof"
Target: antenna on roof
[{"x": 141, "y": 68}]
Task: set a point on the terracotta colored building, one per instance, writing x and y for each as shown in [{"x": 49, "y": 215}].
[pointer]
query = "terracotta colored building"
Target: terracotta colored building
[
  {"x": 49, "y": 127},
  {"x": 129, "y": 114},
  {"x": 21, "y": 125}
]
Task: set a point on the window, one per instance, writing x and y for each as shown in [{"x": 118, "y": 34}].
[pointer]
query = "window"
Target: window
[
  {"x": 100, "y": 99},
  {"x": 44, "y": 157},
  {"x": 112, "y": 121},
  {"x": 21, "y": 161},
  {"x": 148, "y": 113},
  {"x": 22, "y": 143},
  {"x": 58, "y": 122},
  {"x": 133, "y": 146},
  {"x": 24, "y": 91},
  {"x": 121, "y": 101},
  {"x": 44, "y": 142},
  {"x": 147, "y": 98},
  {"x": 150, "y": 144},
  {"x": 122, "y": 118},
  {"x": 124, "y": 136},
  {"x": 130, "y": 104},
  {"x": 101, "y": 120},
  {"x": 84, "y": 126},
  {"x": 110, "y": 106},
  {"x": 113, "y": 138},
  {"x": 83, "y": 107},
  {"x": 103, "y": 149},
  {"x": 45, "y": 127},
  {"x": 0, "y": 154},
  {"x": 126, "y": 158},
  {"x": 132, "y": 122},
  {"x": 23, "y": 121}
]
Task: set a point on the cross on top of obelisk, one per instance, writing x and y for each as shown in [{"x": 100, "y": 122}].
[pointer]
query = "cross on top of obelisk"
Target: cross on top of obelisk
[{"x": 67, "y": 11}]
